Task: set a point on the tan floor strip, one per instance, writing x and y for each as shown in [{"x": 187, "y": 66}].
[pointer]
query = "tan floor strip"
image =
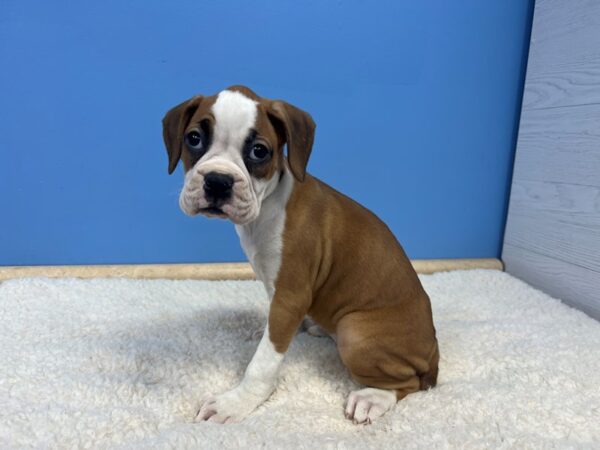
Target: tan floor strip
[{"x": 220, "y": 271}]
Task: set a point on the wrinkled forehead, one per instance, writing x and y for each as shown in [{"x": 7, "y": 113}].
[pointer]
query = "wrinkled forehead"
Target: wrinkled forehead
[
  {"x": 228, "y": 109},
  {"x": 234, "y": 116}
]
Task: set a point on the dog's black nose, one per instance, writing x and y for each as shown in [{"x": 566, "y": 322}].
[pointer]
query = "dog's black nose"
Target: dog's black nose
[{"x": 217, "y": 186}]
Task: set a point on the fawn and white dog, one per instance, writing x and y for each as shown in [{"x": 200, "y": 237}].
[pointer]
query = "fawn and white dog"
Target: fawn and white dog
[{"x": 318, "y": 253}]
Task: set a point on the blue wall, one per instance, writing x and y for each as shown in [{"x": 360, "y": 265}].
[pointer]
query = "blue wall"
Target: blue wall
[{"x": 416, "y": 105}]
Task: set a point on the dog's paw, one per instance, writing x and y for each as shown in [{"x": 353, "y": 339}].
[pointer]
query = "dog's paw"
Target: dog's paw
[
  {"x": 366, "y": 405},
  {"x": 230, "y": 407}
]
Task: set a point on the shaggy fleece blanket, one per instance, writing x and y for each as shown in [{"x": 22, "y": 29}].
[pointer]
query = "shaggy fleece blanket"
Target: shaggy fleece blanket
[{"x": 117, "y": 363}]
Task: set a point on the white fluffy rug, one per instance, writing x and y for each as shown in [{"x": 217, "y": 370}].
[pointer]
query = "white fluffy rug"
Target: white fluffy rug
[{"x": 122, "y": 364}]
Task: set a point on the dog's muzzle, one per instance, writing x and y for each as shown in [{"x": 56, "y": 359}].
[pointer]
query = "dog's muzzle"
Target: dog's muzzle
[{"x": 217, "y": 187}]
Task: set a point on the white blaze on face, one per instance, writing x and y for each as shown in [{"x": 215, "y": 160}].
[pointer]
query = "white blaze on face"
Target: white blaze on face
[{"x": 235, "y": 115}]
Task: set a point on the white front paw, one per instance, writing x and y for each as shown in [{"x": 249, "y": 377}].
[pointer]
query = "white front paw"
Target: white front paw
[{"x": 231, "y": 406}]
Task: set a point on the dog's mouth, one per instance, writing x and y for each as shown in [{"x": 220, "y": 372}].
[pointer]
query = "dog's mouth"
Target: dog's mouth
[{"x": 213, "y": 210}]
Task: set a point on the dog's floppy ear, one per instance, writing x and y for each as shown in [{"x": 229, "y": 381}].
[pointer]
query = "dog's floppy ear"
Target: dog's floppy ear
[
  {"x": 174, "y": 124},
  {"x": 299, "y": 130}
]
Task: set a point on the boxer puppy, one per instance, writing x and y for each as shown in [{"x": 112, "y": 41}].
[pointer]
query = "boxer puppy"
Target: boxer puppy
[{"x": 318, "y": 253}]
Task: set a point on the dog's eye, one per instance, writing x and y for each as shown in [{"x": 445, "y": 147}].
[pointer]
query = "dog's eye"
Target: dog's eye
[
  {"x": 193, "y": 140},
  {"x": 258, "y": 153}
]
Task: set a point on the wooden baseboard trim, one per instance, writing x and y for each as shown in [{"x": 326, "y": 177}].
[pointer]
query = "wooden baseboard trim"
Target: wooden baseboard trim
[
  {"x": 445, "y": 265},
  {"x": 219, "y": 271}
]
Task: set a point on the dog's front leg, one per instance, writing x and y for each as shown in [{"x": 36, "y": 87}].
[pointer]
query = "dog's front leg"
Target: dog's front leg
[{"x": 260, "y": 378}]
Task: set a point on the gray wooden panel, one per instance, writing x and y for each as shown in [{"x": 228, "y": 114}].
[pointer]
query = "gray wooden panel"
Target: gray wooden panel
[
  {"x": 552, "y": 237},
  {"x": 564, "y": 54},
  {"x": 561, "y": 221},
  {"x": 574, "y": 285},
  {"x": 579, "y": 201},
  {"x": 564, "y": 32},
  {"x": 560, "y": 145},
  {"x": 566, "y": 85}
]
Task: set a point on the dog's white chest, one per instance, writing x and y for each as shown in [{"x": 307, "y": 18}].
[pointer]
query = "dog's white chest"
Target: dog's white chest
[
  {"x": 262, "y": 239},
  {"x": 263, "y": 248}
]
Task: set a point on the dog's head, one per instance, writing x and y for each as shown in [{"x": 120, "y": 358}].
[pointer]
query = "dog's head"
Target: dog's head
[{"x": 231, "y": 145}]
